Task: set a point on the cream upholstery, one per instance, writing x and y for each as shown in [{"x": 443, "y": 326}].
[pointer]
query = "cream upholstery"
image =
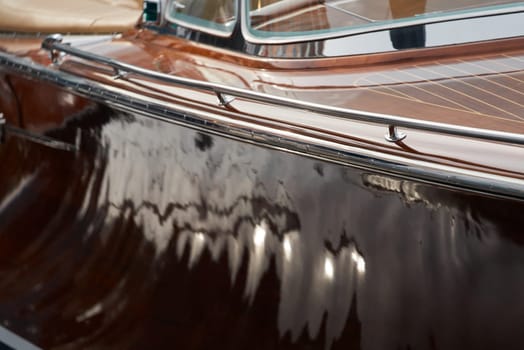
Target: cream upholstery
[{"x": 69, "y": 16}]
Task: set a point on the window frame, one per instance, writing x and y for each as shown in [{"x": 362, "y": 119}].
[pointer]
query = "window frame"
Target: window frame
[
  {"x": 200, "y": 24},
  {"x": 250, "y": 35}
]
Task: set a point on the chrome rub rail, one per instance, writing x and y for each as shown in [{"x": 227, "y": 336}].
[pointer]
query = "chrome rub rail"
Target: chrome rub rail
[{"x": 225, "y": 93}]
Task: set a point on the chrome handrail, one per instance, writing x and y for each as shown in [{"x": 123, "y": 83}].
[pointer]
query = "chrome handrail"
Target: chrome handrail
[
  {"x": 273, "y": 136},
  {"x": 225, "y": 93}
]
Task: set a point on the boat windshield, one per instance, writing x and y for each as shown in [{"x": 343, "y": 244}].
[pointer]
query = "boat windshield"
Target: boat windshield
[
  {"x": 215, "y": 16},
  {"x": 285, "y": 18}
]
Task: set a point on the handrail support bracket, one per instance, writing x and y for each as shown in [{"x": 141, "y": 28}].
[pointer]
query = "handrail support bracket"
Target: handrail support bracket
[
  {"x": 120, "y": 74},
  {"x": 48, "y": 44},
  {"x": 224, "y": 99},
  {"x": 394, "y": 135}
]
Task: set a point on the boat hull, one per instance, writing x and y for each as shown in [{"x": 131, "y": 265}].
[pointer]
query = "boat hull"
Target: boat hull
[{"x": 154, "y": 234}]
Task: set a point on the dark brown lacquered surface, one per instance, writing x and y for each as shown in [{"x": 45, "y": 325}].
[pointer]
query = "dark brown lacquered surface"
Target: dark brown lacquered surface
[{"x": 158, "y": 236}]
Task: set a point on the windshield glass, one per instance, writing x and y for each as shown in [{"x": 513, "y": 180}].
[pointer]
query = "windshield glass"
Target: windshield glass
[
  {"x": 270, "y": 18},
  {"x": 216, "y": 16}
]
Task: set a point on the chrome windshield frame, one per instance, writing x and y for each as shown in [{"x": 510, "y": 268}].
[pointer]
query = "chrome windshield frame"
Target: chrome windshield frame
[
  {"x": 373, "y": 27},
  {"x": 193, "y": 26},
  {"x": 351, "y": 38},
  {"x": 440, "y": 34}
]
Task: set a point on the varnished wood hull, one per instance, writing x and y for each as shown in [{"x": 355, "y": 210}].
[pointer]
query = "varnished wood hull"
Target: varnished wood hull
[
  {"x": 143, "y": 230},
  {"x": 152, "y": 237}
]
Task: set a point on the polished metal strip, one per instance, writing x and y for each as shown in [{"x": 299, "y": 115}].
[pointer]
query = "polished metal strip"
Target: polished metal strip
[
  {"x": 41, "y": 139},
  {"x": 44, "y": 140},
  {"x": 274, "y": 137},
  {"x": 54, "y": 46},
  {"x": 14, "y": 341}
]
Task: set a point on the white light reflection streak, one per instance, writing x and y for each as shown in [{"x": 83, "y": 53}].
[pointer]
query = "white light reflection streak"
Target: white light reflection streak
[
  {"x": 359, "y": 260},
  {"x": 288, "y": 250},
  {"x": 329, "y": 268},
  {"x": 197, "y": 246},
  {"x": 199, "y": 237},
  {"x": 258, "y": 261},
  {"x": 259, "y": 236}
]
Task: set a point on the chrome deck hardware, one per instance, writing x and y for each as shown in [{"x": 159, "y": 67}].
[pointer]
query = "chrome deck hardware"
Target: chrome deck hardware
[
  {"x": 394, "y": 135},
  {"x": 54, "y": 45},
  {"x": 120, "y": 74},
  {"x": 48, "y": 43},
  {"x": 224, "y": 99}
]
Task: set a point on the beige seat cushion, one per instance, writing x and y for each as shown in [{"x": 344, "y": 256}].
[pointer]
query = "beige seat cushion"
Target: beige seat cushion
[{"x": 69, "y": 16}]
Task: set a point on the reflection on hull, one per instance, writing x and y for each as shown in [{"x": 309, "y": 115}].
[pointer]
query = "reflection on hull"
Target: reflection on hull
[{"x": 156, "y": 236}]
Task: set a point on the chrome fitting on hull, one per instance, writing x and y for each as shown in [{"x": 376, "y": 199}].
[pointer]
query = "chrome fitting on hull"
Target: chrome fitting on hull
[
  {"x": 224, "y": 100},
  {"x": 394, "y": 135},
  {"x": 47, "y": 44}
]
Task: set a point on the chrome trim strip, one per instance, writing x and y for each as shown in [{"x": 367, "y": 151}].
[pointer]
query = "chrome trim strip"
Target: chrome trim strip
[
  {"x": 45, "y": 140},
  {"x": 14, "y": 341},
  {"x": 53, "y": 45},
  {"x": 445, "y": 17},
  {"x": 274, "y": 137}
]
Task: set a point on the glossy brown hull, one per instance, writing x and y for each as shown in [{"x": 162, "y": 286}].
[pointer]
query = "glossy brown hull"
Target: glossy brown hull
[
  {"x": 144, "y": 241},
  {"x": 164, "y": 233}
]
